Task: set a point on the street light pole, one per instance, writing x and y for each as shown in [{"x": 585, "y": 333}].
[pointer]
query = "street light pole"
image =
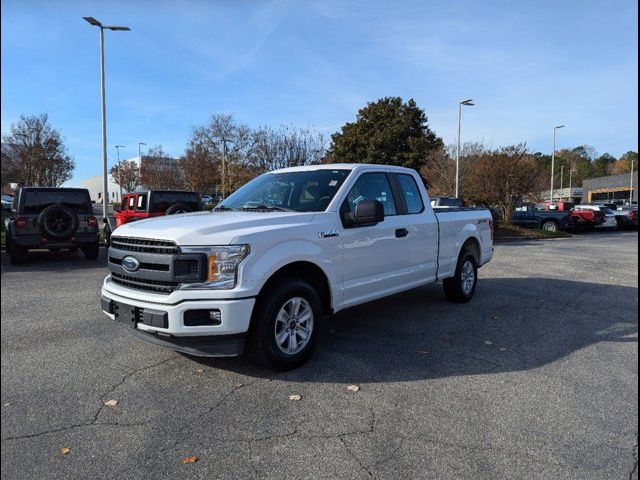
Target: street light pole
[
  {"x": 118, "y": 147},
  {"x": 468, "y": 102},
  {"x": 105, "y": 188},
  {"x": 561, "y": 180},
  {"x": 553, "y": 158},
  {"x": 140, "y": 151}
]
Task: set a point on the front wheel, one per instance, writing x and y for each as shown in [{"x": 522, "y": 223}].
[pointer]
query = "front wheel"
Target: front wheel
[
  {"x": 461, "y": 287},
  {"x": 284, "y": 329}
]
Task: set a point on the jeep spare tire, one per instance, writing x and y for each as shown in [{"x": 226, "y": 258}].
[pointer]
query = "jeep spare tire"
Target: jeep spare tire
[
  {"x": 178, "y": 208},
  {"x": 58, "y": 222}
]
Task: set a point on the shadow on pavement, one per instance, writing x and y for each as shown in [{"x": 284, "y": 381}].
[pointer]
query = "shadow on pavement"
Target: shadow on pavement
[
  {"x": 61, "y": 260},
  {"x": 512, "y": 324}
]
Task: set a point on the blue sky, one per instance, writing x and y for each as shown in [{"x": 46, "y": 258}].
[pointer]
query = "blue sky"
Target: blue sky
[{"x": 529, "y": 65}]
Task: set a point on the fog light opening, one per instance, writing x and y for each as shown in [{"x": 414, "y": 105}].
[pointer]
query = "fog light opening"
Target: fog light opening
[{"x": 200, "y": 318}]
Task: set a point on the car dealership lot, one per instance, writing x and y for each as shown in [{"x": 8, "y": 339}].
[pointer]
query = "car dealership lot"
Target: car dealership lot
[{"x": 535, "y": 378}]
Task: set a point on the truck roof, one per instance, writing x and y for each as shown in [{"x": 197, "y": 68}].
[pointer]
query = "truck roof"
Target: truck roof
[{"x": 346, "y": 166}]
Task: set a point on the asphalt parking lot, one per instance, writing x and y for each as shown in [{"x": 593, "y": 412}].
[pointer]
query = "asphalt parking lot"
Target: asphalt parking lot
[{"x": 537, "y": 377}]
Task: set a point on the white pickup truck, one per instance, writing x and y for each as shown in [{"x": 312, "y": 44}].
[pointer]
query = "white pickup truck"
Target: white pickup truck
[{"x": 283, "y": 251}]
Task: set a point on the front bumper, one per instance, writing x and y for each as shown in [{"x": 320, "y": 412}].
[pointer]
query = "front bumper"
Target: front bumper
[{"x": 163, "y": 324}]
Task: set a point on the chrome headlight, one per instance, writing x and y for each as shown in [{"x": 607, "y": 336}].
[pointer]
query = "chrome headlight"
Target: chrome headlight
[{"x": 222, "y": 266}]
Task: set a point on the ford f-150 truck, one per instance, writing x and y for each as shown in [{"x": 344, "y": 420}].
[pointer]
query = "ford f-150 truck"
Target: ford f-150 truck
[{"x": 288, "y": 248}]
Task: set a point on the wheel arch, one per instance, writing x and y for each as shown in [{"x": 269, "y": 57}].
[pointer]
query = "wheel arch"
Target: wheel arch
[
  {"x": 472, "y": 244},
  {"x": 303, "y": 270}
]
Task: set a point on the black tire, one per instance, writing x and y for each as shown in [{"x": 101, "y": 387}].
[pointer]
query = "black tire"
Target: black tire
[
  {"x": 456, "y": 288},
  {"x": 107, "y": 235},
  {"x": 550, "y": 226},
  {"x": 178, "y": 208},
  {"x": 17, "y": 253},
  {"x": 91, "y": 251},
  {"x": 262, "y": 346},
  {"x": 58, "y": 222}
]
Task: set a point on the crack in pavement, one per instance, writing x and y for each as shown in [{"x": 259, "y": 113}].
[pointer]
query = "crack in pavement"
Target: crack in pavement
[{"x": 94, "y": 419}]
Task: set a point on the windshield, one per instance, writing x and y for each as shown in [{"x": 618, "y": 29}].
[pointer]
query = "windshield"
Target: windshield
[{"x": 305, "y": 191}]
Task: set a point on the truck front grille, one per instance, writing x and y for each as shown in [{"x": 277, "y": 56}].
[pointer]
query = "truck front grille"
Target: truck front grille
[
  {"x": 145, "y": 245},
  {"x": 155, "y": 286}
]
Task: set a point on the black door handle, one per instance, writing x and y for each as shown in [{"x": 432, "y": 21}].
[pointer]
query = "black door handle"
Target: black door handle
[{"x": 401, "y": 232}]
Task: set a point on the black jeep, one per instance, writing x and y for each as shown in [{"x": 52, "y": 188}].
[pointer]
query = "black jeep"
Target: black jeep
[{"x": 51, "y": 218}]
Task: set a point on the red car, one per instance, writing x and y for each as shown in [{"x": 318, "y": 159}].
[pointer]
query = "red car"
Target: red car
[
  {"x": 151, "y": 203},
  {"x": 581, "y": 218}
]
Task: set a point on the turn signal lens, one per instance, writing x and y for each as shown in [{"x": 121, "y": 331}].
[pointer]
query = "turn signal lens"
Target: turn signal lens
[
  {"x": 21, "y": 222},
  {"x": 213, "y": 268}
]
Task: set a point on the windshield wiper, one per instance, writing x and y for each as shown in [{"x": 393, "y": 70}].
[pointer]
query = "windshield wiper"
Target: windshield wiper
[
  {"x": 272, "y": 208},
  {"x": 223, "y": 208}
]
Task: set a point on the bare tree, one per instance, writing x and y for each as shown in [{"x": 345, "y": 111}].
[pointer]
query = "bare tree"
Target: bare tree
[
  {"x": 286, "y": 146},
  {"x": 199, "y": 169},
  {"x": 440, "y": 171},
  {"x": 127, "y": 175},
  {"x": 229, "y": 145},
  {"x": 39, "y": 156},
  {"x": 159, "y": 171},
  {"x": 504, "y": 178}
]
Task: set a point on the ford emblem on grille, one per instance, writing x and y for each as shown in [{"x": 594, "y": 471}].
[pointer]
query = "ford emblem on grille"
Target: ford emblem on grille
[{"x": 130, "y": 264}]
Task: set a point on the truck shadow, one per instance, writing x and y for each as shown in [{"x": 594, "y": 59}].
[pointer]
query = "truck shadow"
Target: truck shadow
[
  {"x": 61, "y": 260},
  {"x": 512, "y": 324}
]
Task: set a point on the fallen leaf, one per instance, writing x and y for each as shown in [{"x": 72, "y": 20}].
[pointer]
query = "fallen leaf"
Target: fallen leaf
[
  {"x": 353, "y": 388},
  {"x": 110, "y": 403},
  {"x": 494, "y": 317},
  {"x": 488, "y": 342},
  {"x": 65, "y": 450},
  {"x": 7, "y": 404},
  {"x": 294, "y": 398},
  {"x": 503, "y": 349},
  {"x": 200, "y": 370},
  {"x": 190, "y": 459},
  {"x": 238, "y": 385}
]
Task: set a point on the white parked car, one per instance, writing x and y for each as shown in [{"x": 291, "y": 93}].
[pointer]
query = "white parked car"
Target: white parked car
[
  {"x": 289, "y": 247},
  {"x": 609, "y": 217}
]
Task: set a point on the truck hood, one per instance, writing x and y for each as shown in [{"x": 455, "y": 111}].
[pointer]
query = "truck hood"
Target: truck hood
[{"x": 210, "y": 228}]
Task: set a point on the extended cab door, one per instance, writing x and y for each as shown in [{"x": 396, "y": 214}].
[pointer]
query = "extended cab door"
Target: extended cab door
[
  {"x": 422, "y": 227},
  {"x": 373, "y": 256}
]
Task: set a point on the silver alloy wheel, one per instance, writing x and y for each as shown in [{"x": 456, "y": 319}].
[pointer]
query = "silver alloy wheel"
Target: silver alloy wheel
[
  {"x": 468, "y": 274},
  {"x": 294, "y": 326},
  {"x": 550, "y": 227}
]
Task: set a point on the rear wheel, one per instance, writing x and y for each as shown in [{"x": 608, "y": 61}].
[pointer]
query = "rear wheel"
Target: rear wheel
[
  {"x": 461, "y": 287},
  {"x": 285, "y": 325},
  {"x": 91, "y": 251},
  {"x": 549, "y": 226}
]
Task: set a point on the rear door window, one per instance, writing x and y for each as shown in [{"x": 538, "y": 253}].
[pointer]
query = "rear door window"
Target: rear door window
[
  {"x": 37, "y": 200},
  {"x": 409, "y": 190},
  {"x": 142, "y": 202}
]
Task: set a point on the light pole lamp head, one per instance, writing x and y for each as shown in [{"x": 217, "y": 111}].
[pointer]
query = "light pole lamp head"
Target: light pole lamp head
[
  {"x": 468, "y": 102},
  {"x": 118, "y": 28},
  {"x": 93, "y": 21},
  {"x": 559, "y": 126}
]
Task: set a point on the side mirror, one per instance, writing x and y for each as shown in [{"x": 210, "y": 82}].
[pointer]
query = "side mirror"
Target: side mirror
[{"x": 368, "y": 212}]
